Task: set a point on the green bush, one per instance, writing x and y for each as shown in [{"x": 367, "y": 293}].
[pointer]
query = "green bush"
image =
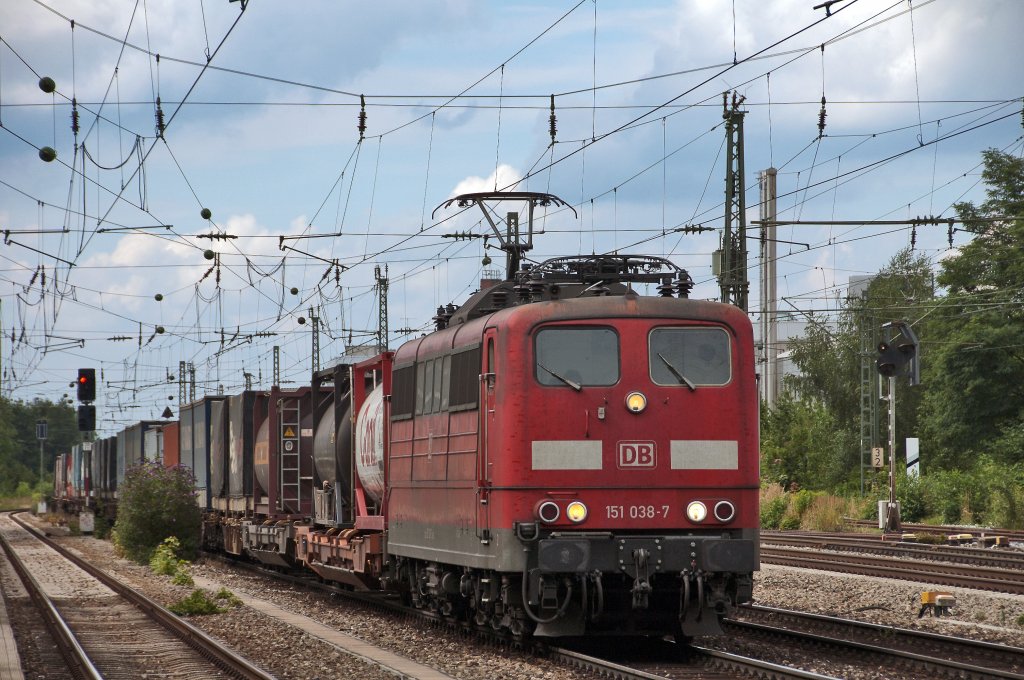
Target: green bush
[
  {"x": 772, "y": 512},
  {"x": 802, "y": 500},
  {"x": 1005, "y": 484},
  {"x": 910, "y": 493},
  {"x": 199, "y": 603},
  {"x": 955, "y": 496},
  {"x": 101, "y": 527},
  {"x": 165, "y": 558},
  {"x": 790, "y": 522},
  {"x": 228, "y": 598},
  {"x": 155, "y": 503},
  {"x": 182, "y": 577},
  {"x": 165, "y": 561}
]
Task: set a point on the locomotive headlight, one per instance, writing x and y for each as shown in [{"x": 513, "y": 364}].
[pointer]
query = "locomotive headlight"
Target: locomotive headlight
[
  {"x": 724, "y": 511},
  {"x": 696, "y": 511},
  {"x": 576, "y": 512},
  {"x": 548, "y": 512},
  {"x": 636, "y": 402}
]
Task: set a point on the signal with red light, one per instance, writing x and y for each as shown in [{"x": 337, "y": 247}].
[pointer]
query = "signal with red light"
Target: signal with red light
[{"x": 86, "y": 384}]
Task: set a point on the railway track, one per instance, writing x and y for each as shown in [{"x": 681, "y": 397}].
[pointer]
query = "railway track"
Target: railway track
[
  {"x": 697, "y": 662},
  {"x": 883, "y": 566},
  {"x": 662, "y": 659},
  {"x": 104, "y": 628},
  {"x": 909, "y": 653},
  {"x": 700, "y": 662},
  {"x": 982, "y": 557},
  {"x": 1015, "y": 535}
]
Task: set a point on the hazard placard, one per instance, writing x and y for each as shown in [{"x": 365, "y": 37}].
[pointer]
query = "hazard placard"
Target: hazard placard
[{"x": 289, "y": 433}]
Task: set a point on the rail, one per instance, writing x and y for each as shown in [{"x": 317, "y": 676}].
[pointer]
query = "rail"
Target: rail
[
  {"x": 207, "y": 647},
  {"x": 70, "y": 649}
]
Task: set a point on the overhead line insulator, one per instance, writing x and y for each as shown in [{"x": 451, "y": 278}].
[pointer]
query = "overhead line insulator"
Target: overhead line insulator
[
  {"x": 552, "y": 121},
  {"x": 362, "y": 117},
  {"x": 821, "y": 118}
]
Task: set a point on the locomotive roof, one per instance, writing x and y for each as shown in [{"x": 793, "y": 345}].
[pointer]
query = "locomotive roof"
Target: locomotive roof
[{"x": 572, "y": 277}]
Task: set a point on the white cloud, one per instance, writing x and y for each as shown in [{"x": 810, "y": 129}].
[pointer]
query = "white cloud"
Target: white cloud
[{"x": 503, "y": 176}]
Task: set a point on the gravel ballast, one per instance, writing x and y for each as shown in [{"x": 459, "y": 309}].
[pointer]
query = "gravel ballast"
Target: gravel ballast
[{"x": 291, "y": 653}]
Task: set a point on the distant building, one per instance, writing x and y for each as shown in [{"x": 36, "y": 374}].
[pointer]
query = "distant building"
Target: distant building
[{"x": 775, "y": 358}]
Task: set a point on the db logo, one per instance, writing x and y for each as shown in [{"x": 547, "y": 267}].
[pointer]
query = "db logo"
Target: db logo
[{"x": 637, "y": 455}]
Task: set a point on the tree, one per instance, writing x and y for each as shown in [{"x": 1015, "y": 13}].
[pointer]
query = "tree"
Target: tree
[
  {"x": 19, "y": 448},
  {"x": 975, "y": 401},
  {"x": 801, "y": 445},
  {"x": 829, "y": 358}
]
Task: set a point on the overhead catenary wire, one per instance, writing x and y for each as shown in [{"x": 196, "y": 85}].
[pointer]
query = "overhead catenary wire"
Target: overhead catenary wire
[{"x": 584, "y": 196}]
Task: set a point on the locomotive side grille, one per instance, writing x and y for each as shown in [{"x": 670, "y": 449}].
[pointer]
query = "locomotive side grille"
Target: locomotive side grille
[
  {"x": 465, "y": 379},
  {"x": 403, "y": 393}
]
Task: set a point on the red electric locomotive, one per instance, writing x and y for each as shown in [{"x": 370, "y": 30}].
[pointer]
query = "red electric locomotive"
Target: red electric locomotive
[{"x": 561, "y": 457}]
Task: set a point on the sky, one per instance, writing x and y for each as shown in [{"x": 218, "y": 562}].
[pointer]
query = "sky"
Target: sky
[{"x": 108, "y": 260}]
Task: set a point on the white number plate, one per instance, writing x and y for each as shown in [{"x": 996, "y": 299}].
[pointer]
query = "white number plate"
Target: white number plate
[{"x": 636, "y": 511}]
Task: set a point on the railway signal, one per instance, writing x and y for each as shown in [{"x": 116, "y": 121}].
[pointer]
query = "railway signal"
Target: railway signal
[
  {"x": 86, "y": 384},
  {"x": 86, "y": 418},
  {"x": 897, "y": 358}
]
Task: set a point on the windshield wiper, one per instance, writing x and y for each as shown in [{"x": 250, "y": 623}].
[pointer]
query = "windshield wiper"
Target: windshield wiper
[
  {"x": 679, "y": 376},
  {"x": 575, "y": 385}
]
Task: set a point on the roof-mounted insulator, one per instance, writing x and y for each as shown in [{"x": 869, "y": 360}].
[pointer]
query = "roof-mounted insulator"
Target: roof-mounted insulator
[
  {"x": 362, "y": 117},
  {"x": 159, "y": 119},
  {"x": 821, "y": 118},
  {"x": 440, "y": 321},
  {"x": 665, "y": 288},
  {"x": 536, "y": 289},
  {"x": 522, "y": 291},
  {"x": 684, "y": 284},
  {"x": 552, "y": 121}
]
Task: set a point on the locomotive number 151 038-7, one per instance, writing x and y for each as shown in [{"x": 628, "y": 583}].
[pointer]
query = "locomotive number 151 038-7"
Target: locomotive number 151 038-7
[{"x": 635, "y": 511}]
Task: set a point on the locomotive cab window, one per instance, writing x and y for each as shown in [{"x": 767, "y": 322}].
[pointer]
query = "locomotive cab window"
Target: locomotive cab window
[
  {"x": 576, "y": 357},
  {"x": 690, "y": 356}
]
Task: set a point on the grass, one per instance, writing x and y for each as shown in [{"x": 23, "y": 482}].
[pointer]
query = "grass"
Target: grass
[{"x": 16, "y": 503}]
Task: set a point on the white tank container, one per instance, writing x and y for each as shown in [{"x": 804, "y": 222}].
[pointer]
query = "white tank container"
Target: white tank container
[{"x": 370, "y": 444}]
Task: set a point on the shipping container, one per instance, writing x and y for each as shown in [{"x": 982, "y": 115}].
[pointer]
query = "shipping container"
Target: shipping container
[
  {"x": 194, "y": 443},
  {"x": 172, "y": 452},
  {"x": 131, "y": 446}
]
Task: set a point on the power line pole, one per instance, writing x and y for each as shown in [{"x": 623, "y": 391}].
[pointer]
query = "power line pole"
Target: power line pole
[
  {"x": 869, "y": 387},
  {"x": 769, "y": 297},
  {"x": 732, "y": 256},
  {"x": 382, "y": 303},
  {"x": 182, "y": 395},
  {"x": 314, "y": 323}
]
